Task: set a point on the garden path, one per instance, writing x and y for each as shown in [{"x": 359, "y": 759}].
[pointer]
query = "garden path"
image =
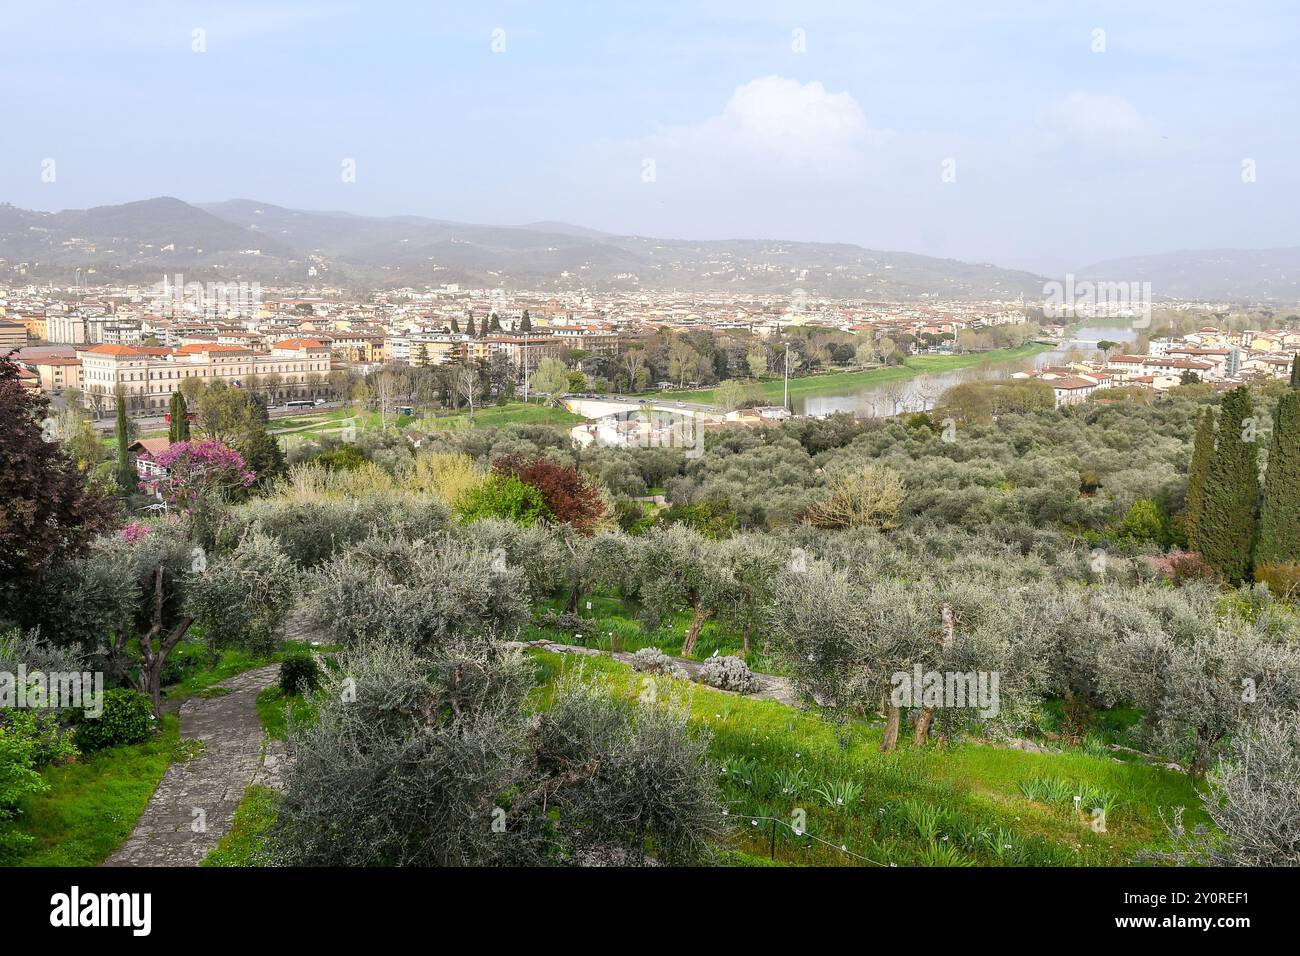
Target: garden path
[{"x": 194, "y": 805}]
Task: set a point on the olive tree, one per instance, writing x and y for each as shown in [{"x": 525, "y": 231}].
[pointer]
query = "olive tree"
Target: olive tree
[
  {"x": 1253, "y": 801},
  {"x": 435, "y": 760},
  {"x": 419, "y": 593},
  {"x": 680, "y": 569}
]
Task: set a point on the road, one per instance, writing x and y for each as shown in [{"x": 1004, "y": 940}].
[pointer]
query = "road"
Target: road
[{"x": 160, "y": 421}]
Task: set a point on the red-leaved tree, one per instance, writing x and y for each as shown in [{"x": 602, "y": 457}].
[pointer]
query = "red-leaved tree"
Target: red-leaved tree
[
  {"x": 569, "y": 496},
  {"x": 47, "y": 510}
]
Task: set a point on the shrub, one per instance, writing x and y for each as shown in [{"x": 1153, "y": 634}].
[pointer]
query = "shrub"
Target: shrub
[
  {"x": 729, "y": 673},
  {"x": 299, "y": 674},
  {"x": 577, "y": 625},
  {"x": 651, "y": 660},
  {"x": 417, "y": 594},
  {"x": 19, "y": 744},
  {"x": 127, "y": 719},
  {"x": 1283, "y": 579},
  {"x": 503, "y": 496}
]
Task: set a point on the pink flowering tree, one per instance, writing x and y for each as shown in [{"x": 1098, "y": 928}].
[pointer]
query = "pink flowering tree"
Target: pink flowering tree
[{"x": 200, "y": 475}]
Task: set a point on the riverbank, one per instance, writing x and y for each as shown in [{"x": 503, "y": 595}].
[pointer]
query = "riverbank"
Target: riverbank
[{"x": 828, "y": 382}]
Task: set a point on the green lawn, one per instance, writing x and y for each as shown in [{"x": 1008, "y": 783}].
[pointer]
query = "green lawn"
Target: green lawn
[
  {"x": 774, "y": 389},
  {"x": 514, "y": 413},
  {"x": 92, "y": 805},
  {"x": 961, "y": 805}
]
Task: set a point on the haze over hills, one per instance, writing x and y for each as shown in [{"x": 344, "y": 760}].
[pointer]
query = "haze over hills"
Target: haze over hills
[
  {"x": 242, "y": 239},
  {"x": 1211, "y": 274}
]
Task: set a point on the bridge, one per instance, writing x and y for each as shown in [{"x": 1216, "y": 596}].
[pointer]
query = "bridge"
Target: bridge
[{"x": 605, "y": 405}]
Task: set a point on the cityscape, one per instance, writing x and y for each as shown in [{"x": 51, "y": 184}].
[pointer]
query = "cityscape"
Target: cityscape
[{"x": 831, "y": 443}]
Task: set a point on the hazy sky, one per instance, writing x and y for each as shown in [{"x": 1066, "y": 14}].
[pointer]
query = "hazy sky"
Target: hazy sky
[{"x": 818, "y": 121}]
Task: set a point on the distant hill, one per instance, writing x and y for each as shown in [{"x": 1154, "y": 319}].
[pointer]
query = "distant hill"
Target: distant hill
[
  {"x": 1238, "y": 275},
  {"x": 243, "y": 239}
]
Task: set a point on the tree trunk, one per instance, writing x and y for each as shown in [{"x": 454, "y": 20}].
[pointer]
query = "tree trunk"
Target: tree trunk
[
  {"x": 890, "y": 740},
  {"x": 922, "y": 727},
  {"x": 744, "y": 637},
  {"x": 698, "y": 617}
]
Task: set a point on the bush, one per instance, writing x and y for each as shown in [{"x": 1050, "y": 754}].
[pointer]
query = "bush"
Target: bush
[
  {"x": 729, "y": 673},
  {"x": 19, "y": 743},
  {"x": 503, "y": 496},
  {"x": 127, "y": 719},
  {"x": 651, "y": 660},
  {"x": 299, "y": 674},
  {"x": 1283, "y": 579},
  {"x": 580, "y": 627}
]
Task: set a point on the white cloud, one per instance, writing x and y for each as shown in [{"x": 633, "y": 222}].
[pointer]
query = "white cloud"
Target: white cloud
[
  {"x": 775, "y": 124},
  {"x": 1097, "y": 122}
]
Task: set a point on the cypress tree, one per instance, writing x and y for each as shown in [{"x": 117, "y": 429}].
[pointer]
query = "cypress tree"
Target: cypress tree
[
  {"x": 455, "y": 327},
  {"x": 179, "y": 428},
  {"x": 469, "y": 326},
  {"x": 1279, "y": 517},
  {"x": 1202, "y": 449},
  {"x": 1225, "y": 534},
  {"x": 525, "y": 323},
  {"x": 126, "y": 476},
  {"x": 1295, "y": 371}
]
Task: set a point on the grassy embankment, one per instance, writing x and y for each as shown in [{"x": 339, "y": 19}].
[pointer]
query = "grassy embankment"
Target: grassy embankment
[{"x": 773, "y": 389}]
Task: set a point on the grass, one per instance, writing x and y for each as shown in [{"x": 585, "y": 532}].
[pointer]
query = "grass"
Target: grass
[
  {"x": 242, "y": 845},
  {"x": 198, "y": 673},
  {"x": 838, "y": 381},
  {"x": 92, "y": 805},
  {"x": 618, "y": 628},
  {"x": 964, "y": 804},
  {"x": 274, "y": 708}
]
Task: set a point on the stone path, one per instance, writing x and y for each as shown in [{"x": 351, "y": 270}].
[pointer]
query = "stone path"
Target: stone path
[
  {"x": 771, "y": 687},
  {"x": 194, "y": 805}
]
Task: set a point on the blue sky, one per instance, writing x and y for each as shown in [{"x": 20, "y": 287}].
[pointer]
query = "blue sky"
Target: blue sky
[{"x": 691, "y": 120}]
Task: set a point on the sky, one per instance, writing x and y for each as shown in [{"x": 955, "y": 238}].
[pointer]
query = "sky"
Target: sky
[{"x": 1043, "y": 135}]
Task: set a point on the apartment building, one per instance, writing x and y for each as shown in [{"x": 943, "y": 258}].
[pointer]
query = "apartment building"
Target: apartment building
[{"x": 148, "y": 377}]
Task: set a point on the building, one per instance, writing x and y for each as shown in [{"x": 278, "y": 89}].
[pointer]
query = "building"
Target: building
[
  {"x": 13, "y": 335},
  {"x": 148, "y": 377}
]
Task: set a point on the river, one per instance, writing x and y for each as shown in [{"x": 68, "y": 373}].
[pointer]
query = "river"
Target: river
[{"x": 921, "y": 391}]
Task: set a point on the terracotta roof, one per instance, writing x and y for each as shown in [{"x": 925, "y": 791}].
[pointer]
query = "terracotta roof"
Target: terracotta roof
[
  {"x": 113, "y": 350},
  {"x": 300, "y": 344}
]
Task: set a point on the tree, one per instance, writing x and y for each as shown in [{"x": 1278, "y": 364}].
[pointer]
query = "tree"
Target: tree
[
  {"x": 868, "y": 497},
  {"x": 439, "y": 760},
  {"x": 126, "y": 474},
  {"x": 551, "y": 378},
  {"x": 422, "y": 594},
  {"x": 681, "y": 569},
  {"x": 47, "y": 510},
  {"x": 756, "y": 361},
  {"x": 1226, "y": 531},
  {"x": 466, "y": 382},
  {"x": 201, "y": 477},
  {"x": 1202, "y": 451},
  {"x": 1279, "y": 517},
  {"x": 525, "y": 323},
  {"x": 149, "y": 584},
  {"x": 469, "y": 325},
  {"x": 223, "y": 413},
  {"x": 567, "y": 494},
  {"x": 502, "y": 496},
  {"x": 1253, "y": 800},
  {"x": 1295, "y": 371},
  {"x": 179, "y": 426}
]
